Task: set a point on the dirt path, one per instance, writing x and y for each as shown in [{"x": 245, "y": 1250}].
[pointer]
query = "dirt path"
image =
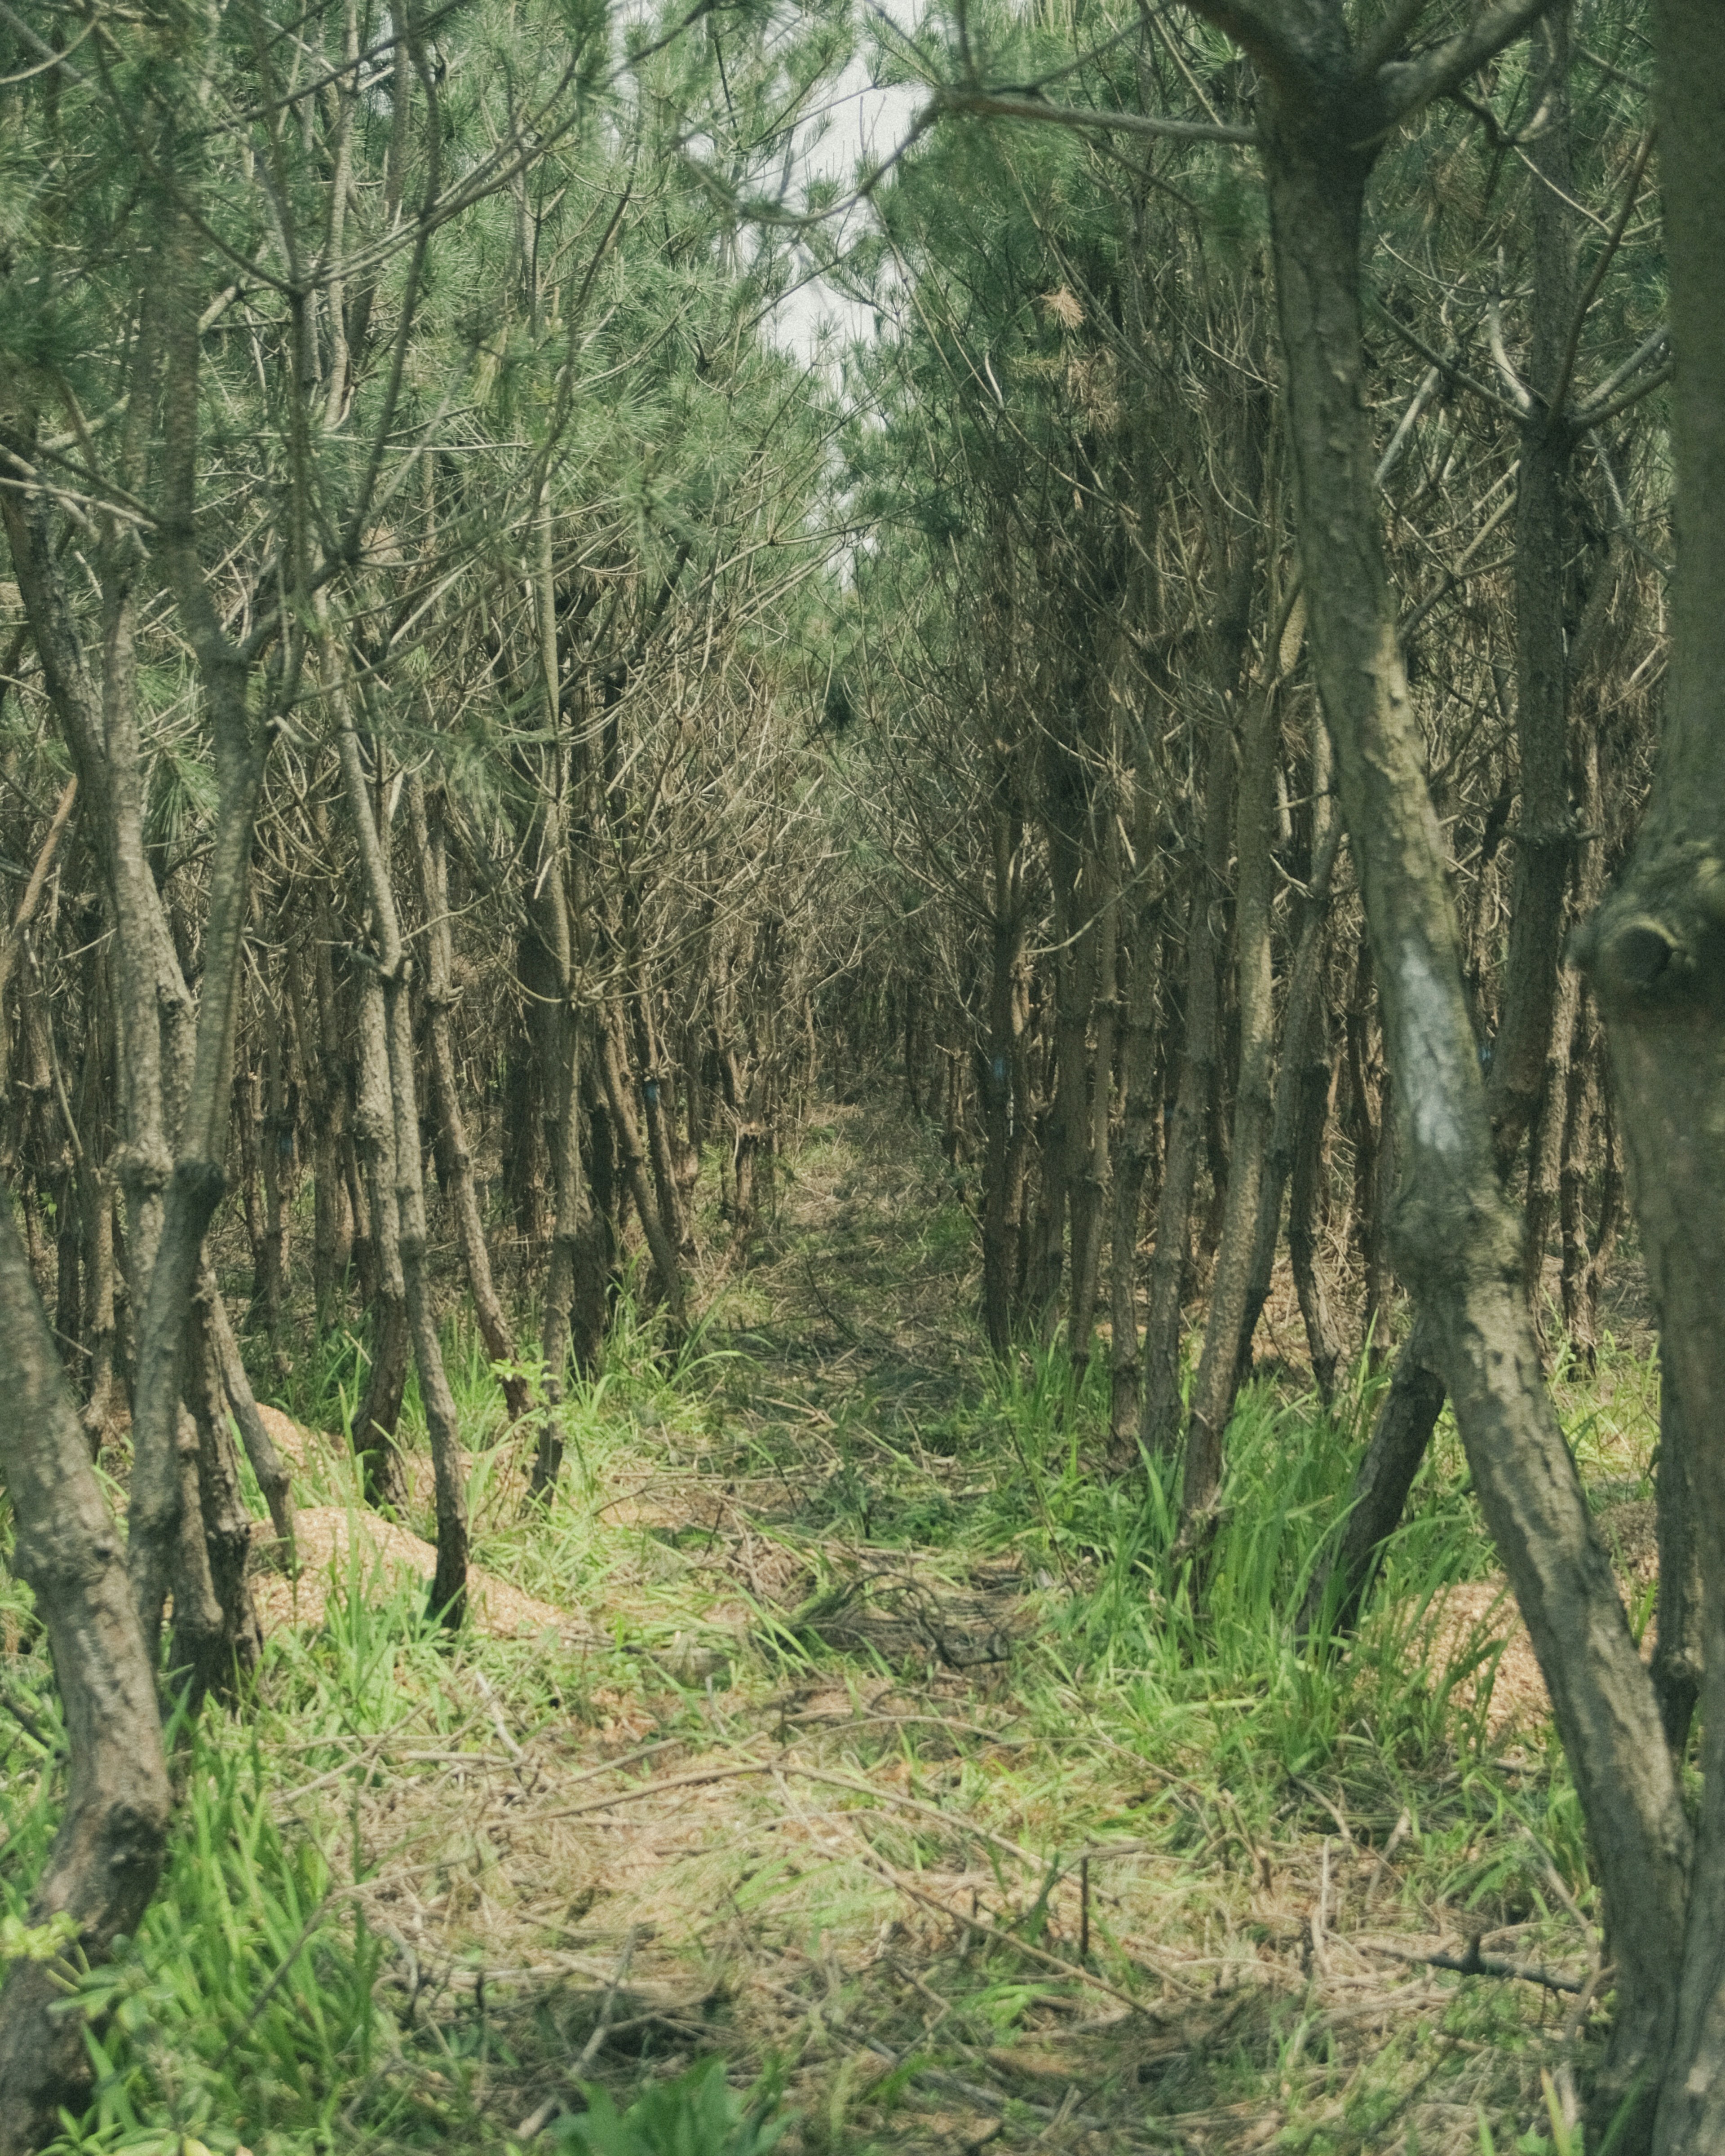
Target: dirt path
[{"x": 826, "y": 1778}]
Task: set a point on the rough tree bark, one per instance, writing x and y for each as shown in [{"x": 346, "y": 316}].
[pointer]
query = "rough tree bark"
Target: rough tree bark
[
  {"x": 107, "y": 1856},
  {"x": 1531, "y": 1023},
  {"x": 1325, "y": 109}
]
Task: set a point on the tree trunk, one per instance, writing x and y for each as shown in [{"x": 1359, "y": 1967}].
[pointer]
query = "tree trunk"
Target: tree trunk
[
  {"x": 379, "y": 1412},
  {"x": 324, "y": 1063},
  {"x": 1677, "y": 1657},
  {"x": 575, "y": 1289},
  {"x": 1301, "y": 1027},
  {"x": 1214, "y": 1387},
  {"x": 1528, "y": 1057},
  {"x": 656, "y": 1112},
  {"x": 1134, "y": 1145},
  {"x": 448, "y": 1601},
  {"x": 632, "y": 1161},
  {"x": 1657, "y": 950},
  {"x": 1090, "y": 1189},
  {"x": 267, "y": 1464},
  {"x": 232, "y": 1652},
  {"x": 440, "y": 1000},
  {"x": 1544, "y": 832},
  {"x": 107, "y": 1856},
  {"x": 1305, "y": 1203},
  {"x": 277, "y": 1150},
  {"x": 1378, "y": 1495},
  {"x": 1457, "y": 1241},
  {"x": 1159, "y": 1425},
  {"x": 388, "y": 1029},
  {"x": 1000, "y": 1110}
]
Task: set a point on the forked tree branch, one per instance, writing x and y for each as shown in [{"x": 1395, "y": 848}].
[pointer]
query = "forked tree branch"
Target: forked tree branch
[
  {"x": 1389, "y": 36},
  {"x": 1406, "y": 85},
  {"x": 1261, "y": 28}
]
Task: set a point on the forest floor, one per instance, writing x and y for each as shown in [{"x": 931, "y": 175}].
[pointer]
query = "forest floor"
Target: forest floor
[{"x": 839, "y": 1722}]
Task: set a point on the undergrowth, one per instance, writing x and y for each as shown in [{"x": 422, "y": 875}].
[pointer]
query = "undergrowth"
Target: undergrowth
[{"x": 1152, "y": 1881}]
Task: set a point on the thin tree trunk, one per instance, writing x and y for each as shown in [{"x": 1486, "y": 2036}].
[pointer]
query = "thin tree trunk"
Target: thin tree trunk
[
  {"x": 1214, "y": 1387},
  {"x": 655, "y": 1113},
  {"x": 277, "y": 1162},
  {"x": 1134, "y": 1145},
  {"x": 449, "y": 1587},
  {"x": 440, "y": 1000},
  {"x": 1305, "y": 1203},
  {"x": 1300, "y": 1026},
  {"x": 1587, "y": 1108},
  {"x": 231, "y": 1652},
  {"x": 1090, "y": 1189},
  {"x": 1385, "y": 1475},
  {"x": 632, "y": 1161},
  {"x": 97, "y": 1197},
  {"x": 388, "y": 1016},
  {"x": 267, "y": 1464},
  {"x": 1159, "y": 1427},
  {"x": 1545, "y": 1150},
  {"x": 374, "y": 1424},
  {"x": 1677, "y": 1658},
  {"x": 575, "y": 1292},
  {"x": 1063, "y": 1134},
  {"x": 325, "y": 1062},
  {"x": 1006, "y": 939}
]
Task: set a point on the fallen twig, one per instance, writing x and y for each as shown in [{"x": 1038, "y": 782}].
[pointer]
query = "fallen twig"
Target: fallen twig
[
  {"x": 1001, "y": 1935},
  {"x": 1473, "y": 1963}
]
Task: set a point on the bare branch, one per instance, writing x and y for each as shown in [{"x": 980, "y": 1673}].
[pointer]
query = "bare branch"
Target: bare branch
[
  {"x": 988, "y": 105},
  {"x": 1631, "y": 195},
  {"x": 1650, "y": 348},
  {"x": 1406, "y": 85},
  {"x": 1608, "y": 409}
]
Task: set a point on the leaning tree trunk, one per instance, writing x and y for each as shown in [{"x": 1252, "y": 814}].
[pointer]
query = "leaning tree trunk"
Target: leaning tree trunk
[
  {"x": 107, "y": 1856},
  {"x": 1544, "y": 838},
  {"x": 1457, "y": 1239}
]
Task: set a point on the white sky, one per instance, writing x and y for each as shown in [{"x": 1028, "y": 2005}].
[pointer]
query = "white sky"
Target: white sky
[{"x": 865, "y": 123}]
